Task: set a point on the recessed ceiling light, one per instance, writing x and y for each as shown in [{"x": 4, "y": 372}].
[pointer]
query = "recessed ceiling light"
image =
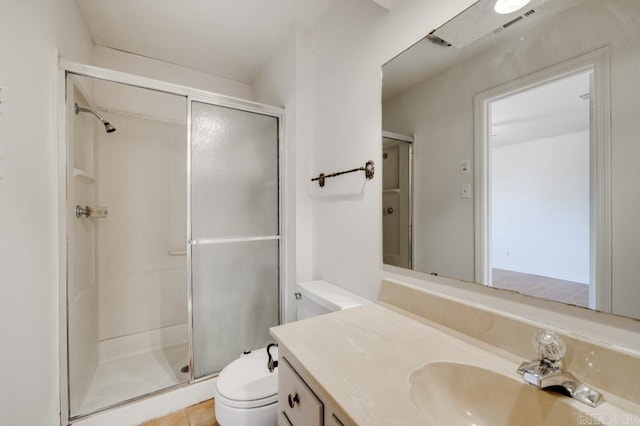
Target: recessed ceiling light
[{"x": 504, "y": 7}]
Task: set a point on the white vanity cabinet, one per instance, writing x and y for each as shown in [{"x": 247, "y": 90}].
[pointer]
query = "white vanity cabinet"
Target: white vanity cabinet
[
  {"x": 296, "y": 401},
  {"x": 299, "y": 402}
]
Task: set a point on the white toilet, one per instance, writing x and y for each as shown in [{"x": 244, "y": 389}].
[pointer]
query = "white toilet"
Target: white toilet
[{"x": 246, "y": 392}]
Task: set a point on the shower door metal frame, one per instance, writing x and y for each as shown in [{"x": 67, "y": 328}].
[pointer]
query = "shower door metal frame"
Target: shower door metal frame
[
  {"x": 258, "y": 109},
  {"x": 285, "y": 193}
]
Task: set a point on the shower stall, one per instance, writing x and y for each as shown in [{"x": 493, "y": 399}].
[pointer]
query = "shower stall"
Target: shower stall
[{"x": 173, "y": 253}]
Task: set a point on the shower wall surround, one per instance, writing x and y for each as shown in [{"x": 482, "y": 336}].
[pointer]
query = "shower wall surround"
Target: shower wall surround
[
  {"x": 83, "y": 284},
  {"x": 141, "y": 177},
  {"x": 127, "y": 285}
]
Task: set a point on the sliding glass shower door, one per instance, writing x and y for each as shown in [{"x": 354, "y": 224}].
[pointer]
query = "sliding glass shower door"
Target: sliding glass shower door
[{"x": 235, "y": 233}]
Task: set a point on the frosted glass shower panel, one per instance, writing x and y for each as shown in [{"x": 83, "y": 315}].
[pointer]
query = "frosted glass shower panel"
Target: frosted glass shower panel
[
  {"x": 234, "y": 172},
  {"x": 235, "y": 301}
]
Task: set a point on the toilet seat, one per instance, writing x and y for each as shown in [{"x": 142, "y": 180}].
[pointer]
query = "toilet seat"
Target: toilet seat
[
  {"x": 246, "y": 404},
  {"x": 247, "y": 382}
]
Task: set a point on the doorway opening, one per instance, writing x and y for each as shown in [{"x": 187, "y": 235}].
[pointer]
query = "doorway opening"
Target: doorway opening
[
  {"x": 539, "y": 181},
  {"x": 541, "y": 185}
]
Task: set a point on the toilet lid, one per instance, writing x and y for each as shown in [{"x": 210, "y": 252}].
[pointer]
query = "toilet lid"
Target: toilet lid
[{"x": 248, "y": 378}]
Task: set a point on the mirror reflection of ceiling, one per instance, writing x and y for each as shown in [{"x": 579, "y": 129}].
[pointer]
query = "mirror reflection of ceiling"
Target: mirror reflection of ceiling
[
  {"x": 428, "y": 93},
  {"x": 553, "y": 109},
  {"x": 425, "y": 59}
]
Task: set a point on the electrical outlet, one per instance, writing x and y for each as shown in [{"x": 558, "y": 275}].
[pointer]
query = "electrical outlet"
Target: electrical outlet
[{"x": 465, "y": 190}]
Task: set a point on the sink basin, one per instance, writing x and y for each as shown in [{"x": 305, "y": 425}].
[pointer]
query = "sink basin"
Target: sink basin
[{"x": 460, "y": 394}]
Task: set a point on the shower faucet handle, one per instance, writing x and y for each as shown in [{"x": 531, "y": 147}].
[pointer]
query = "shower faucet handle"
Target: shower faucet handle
[{"x": 94, "y": 212}]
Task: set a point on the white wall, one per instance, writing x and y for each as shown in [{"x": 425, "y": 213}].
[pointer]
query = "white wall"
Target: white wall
[
  {"x": 447, "y": 125},
  {"x": 351, "y": 42},
  {"x": 285, "y": 81},
  {"x": 540, "y": 207},
  {"x": 29, "y": 31},
  {"x": 139, "y": 65}
]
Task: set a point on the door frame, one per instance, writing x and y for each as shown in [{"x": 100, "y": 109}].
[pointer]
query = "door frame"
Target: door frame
[
  {"x": 600, "y": 154},
  {"x": 410, "y": 140}
]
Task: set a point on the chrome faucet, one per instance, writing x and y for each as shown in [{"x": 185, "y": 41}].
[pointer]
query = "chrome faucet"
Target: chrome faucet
[{"x": 548, "y": 371}]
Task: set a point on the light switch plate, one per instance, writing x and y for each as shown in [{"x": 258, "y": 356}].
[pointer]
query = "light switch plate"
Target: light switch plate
[{"x": 465, "y": 165}]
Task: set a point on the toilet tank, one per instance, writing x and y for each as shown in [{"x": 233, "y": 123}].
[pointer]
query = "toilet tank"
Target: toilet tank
[{"x": 320, "y": 297}]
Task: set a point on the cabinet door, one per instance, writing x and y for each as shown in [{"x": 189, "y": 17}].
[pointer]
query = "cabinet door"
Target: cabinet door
[
  {"x": 296, "y": 400},
  {"x": 283, "y": 420}
]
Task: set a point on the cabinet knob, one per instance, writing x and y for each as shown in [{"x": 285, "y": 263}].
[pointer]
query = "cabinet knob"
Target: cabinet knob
[{"x": 293, "y": 399}]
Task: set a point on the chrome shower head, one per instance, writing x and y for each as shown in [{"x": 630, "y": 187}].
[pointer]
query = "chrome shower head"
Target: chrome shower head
[{"x": 107, "y": 126}]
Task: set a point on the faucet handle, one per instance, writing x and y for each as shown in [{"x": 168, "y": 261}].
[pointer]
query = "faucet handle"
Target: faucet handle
[{"x": 549, "y": 345}]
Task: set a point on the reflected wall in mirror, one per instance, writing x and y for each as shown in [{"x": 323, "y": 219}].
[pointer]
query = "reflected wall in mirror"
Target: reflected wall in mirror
[{"x": 524, "y": 132}]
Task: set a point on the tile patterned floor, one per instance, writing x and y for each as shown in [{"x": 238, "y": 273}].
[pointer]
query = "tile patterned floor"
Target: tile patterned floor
[{"x": 202, "y": 414}]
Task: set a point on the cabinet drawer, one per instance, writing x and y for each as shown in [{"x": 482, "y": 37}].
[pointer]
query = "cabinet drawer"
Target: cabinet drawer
[{"x": 296, "y": 400}]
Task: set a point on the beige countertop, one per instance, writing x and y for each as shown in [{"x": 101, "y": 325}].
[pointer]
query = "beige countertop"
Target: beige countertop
[{"x": 363, "y": 359}]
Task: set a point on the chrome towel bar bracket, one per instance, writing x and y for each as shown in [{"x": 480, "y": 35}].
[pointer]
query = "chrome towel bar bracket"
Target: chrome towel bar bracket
[{"x": 368, "y": 170}]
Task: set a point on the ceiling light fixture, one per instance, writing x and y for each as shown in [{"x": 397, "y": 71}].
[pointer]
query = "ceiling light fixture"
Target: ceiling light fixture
[{"x": 504, "y": 7}]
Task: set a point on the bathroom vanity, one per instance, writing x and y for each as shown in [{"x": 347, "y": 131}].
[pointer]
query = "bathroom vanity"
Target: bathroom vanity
[
  {"x": 381, "y": 364},
  {"x": 301, "y": 400}
]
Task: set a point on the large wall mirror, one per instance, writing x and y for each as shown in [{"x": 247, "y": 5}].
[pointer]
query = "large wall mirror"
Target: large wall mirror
[{"x": 511, "y": 151}]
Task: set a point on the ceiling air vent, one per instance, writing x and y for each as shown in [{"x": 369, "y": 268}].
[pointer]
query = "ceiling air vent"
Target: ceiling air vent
[{"x": 513, "y": 21}]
